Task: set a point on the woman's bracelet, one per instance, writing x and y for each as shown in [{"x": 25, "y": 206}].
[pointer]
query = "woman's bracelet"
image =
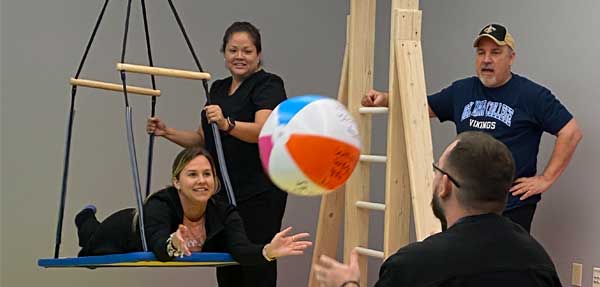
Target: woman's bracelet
[
  {"x": 350, "y": 282},
  {"x": 264, "y": 254},
  {"x": 171, "y": 249}
]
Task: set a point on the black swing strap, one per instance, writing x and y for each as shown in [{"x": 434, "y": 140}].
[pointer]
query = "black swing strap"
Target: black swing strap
[
  {"x": 153, "y": 104},
  {"x": 63, "y": 191},
  {"x": 215, "y": 129},
  {"x": 130, "y": 138}
]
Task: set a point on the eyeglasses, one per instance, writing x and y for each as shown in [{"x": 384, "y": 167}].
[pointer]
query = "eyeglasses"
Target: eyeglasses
[{"x": 435, "y": 167}]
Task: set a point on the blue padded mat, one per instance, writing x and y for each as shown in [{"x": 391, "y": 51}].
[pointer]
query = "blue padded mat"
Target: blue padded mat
[{"x": 140, "y": 259}]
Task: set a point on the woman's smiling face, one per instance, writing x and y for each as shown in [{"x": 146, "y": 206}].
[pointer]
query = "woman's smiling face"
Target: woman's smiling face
[
  {"x": 241, "y": 56},
  {"x": 196, "y": 182}
]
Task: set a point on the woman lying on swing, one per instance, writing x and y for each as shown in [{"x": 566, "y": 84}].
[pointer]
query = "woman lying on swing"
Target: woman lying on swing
[{"x": 181, "y": 219}]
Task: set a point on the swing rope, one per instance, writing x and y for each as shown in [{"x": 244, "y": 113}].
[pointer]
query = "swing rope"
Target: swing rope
[
  {"x": 215, "y": 129},
  {"x": 130, "y": 139},
  {"x": 153, "y": 104},
  {"x": 65, "y": 174}
]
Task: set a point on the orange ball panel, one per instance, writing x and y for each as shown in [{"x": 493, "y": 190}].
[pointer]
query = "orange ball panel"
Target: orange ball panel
[{"x": 326, "y": 161}]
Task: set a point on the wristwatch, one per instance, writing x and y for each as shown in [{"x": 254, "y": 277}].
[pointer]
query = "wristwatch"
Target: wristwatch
[{"x": 230, "y": 125}]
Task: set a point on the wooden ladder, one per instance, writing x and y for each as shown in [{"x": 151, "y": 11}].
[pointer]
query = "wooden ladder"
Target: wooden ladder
[{"x": 409, "y": 155}]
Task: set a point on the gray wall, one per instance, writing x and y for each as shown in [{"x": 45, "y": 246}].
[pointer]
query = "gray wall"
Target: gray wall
[
  {"x": 554, "y": 48},
  {"x": 42, "y": 41}
]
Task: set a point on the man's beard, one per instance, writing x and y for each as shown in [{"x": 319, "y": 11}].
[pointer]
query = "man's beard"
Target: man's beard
[
  {"x": 438, "y": 211},
  {"x": 488, "y": 82}
]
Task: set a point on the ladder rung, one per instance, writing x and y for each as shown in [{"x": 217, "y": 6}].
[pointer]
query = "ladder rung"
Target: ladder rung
[
  {"x": 370, "y": 205},
  {"x": 373, "y": 158},
  {"x": 373, "y": 110},
  {"x": 113, "y": 87},
  {"x": 163, "y": 72},
  {"x": 370, "y": 252}
]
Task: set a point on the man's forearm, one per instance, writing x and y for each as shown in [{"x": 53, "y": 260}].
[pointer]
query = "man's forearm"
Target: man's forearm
[{"x": 566, "y": 143}]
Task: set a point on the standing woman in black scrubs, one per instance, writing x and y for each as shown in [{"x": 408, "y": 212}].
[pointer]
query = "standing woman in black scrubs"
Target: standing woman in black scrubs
[{"x": 240, "y": 106}]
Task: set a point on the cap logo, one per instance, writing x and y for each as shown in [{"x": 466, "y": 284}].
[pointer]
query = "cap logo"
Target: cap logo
[{"x": 489, "y": 29}]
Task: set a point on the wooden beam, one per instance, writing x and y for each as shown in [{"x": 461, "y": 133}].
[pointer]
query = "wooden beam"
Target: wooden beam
[
  {"x": 113, "y": 87},
  {"x": 397, "y": 188},
  {"x": 408, "y": 25},
  {"x": 405, "y": 4},
  {"x": 167, "y": 72},
  {"x": 331, "y": 215},
  {"x": 360, "y": 80},
  {"x": 370, "y": 252},
  {"x": 415, "y": 118},
  {"x": 373, "y": 158},
  {"x": 411, "y": 76},
  {"x": 370, "y": 205},
  {"x": 343, "y": 87},
  {"x": 373, "y": 110}
]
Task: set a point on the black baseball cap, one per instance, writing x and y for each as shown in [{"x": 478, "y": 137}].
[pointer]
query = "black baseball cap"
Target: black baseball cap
[{"x": 497, "y": 33}]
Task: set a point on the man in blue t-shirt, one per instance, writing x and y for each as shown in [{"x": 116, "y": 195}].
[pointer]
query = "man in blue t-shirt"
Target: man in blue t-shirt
[{"x": 511, "y": 108}]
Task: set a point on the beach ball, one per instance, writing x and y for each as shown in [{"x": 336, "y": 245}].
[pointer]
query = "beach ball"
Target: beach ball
[{"x": 309, "y": 145}]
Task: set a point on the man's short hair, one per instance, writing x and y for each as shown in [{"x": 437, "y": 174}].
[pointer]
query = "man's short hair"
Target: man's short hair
[{"x": 485, "y": 169}]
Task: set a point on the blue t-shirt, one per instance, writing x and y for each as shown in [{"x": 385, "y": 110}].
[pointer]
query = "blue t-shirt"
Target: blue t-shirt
[{"x": 516, "y": 113}]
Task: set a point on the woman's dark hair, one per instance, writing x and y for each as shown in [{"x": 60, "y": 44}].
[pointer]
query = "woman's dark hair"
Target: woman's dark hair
[{"x": 246, "y": 27}]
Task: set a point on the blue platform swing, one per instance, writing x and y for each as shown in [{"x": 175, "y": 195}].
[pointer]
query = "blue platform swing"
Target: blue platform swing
[{"x": 145, "y": 258}]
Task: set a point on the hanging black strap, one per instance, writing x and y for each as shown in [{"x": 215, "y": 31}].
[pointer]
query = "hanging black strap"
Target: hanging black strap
[
  {"x": 130, "y": 138},
  {"x": 91, "y": 40},
  {"x": 63, "y": 191},
  {"x": 153, "y": 105},
  {"x": 215, "y": 129},
  {"x": 189, "y": 44},
  {"x": 123, "y": 50}
]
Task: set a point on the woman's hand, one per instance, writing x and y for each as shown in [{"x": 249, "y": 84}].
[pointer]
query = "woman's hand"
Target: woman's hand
[
  {"x": 284, "y": 245},
  {"x": 156, "y": 126},
  {"x": 180, "y": 238},
  {"x": 214, "y": 114}
]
